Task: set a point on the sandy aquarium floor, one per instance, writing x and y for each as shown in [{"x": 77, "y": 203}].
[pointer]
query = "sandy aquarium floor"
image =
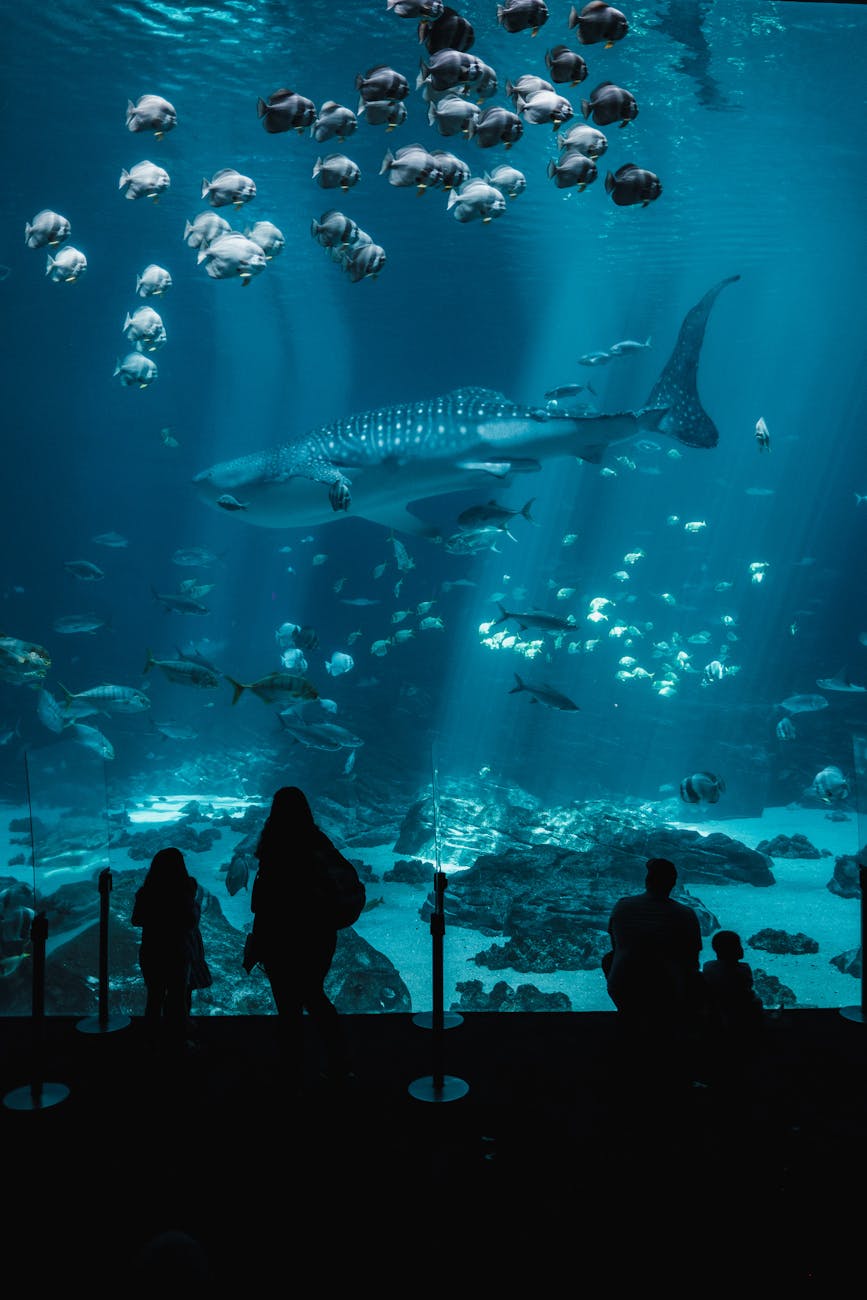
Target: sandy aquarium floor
[{"x": 799, "y": 901}]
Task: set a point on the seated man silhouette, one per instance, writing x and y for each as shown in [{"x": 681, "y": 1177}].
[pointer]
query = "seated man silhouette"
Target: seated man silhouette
[{"x": 653, "y": 974}]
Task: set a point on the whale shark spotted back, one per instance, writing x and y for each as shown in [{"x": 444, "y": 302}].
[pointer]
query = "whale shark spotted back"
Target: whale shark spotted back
[{"x": 379, "y": 464}]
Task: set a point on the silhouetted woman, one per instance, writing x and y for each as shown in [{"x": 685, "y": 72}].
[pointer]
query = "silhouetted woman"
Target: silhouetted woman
[
  {"x": 168, "y": 913},
  {"x": 293, "y": 928}
]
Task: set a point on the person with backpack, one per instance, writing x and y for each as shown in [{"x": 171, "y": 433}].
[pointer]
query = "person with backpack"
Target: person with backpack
[{"x": 295, "y": 924}]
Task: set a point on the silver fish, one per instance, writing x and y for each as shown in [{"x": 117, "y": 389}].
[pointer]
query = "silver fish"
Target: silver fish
[
  {"x": 269, "y": 237},
  {"x": 476, "y": 200},
  {"x": 544, "y": 106},
  {"x": 228, "y": 186},
  {"x": 145, "y": 329},
  {"x": 68, "y": 266},
  {"x": 333, "y": 121},
  {"x": 153, "y": 282},
  {"x": 204, "y": 229},
  {"x": 584, "y": 138},
  {"x": 336, "y": 171},
  {"x": 46, "y": 228},
  {"x": 151, "y": 113},
  {"x": 144, "y": 181},
  {"x": 136, "y": 370},
  {"x": 233, "y": 254}
]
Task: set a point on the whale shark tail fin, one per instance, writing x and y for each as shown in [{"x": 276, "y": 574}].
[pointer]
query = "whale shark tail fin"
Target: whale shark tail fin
[{"x": 677, "y": 386}]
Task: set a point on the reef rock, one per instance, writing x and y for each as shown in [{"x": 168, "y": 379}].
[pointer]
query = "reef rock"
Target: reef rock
[
  {"x": 412, "y": 872},
  {"x": 849, "y": 962},
  {"x": 782, "y": 943},
  {"x": 502, "y": 997},
  {"x": 771, "y": 991},
  {"x": 611, "y": 837},
  {"x": 791, "y": 846},
  {"x": 845, "y": 881}
]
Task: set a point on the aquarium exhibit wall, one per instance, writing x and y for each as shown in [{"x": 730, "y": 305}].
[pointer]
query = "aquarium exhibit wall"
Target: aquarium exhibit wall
[{"x": 402, "y": 403}]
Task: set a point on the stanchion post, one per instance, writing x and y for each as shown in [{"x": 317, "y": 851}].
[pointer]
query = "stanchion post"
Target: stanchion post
[
  {"x": 37, "y": 1095},
  {"x": 102, "y": 1022},
  {"x": 437, "y": 1086}
]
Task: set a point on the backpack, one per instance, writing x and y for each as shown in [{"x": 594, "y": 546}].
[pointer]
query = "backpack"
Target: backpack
[{"x": 347, "y": 894}]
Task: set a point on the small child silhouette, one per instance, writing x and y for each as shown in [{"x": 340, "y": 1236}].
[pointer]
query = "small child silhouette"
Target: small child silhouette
[{"x": 734, "y": 1002}]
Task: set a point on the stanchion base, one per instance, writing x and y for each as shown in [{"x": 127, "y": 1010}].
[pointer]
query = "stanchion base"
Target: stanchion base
[
  {"x": 425, "y": 1020},
  {"x": 36, "y": 1096},
  {"x": 94, "y": 1025},
  {"x": 445, "y": 1088},
  {"x": 853, "y": 1013}
]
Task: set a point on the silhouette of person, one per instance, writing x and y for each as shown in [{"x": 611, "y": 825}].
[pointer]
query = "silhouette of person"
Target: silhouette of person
[
  {"x": 293, "y": 931},
  {"x": 653, "y": 976},
  {"x": 734, "y": 1004},
  {"x": 168, "y": 912}
]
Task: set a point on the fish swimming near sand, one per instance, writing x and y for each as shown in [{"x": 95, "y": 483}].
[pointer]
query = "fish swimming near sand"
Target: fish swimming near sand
[{"x": 378, "y": 465}]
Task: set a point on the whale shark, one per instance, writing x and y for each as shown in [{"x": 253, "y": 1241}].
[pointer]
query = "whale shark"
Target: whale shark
[{"x": 381, "y": 465}]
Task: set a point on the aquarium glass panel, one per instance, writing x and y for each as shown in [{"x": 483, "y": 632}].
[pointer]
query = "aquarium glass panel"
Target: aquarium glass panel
[{"x": 458, "y": 415}]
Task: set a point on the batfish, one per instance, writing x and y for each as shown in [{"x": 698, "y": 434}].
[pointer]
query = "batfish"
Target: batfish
[{"x": 379, "y": 464}]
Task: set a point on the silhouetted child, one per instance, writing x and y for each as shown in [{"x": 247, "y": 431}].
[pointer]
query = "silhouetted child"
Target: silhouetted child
[
  {"x": 735, "y": 1007},
  {"x": 168, "y": 913}
]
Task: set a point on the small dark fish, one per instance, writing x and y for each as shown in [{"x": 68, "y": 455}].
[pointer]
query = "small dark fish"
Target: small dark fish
[
  {"x": 609, "y": 103},
  {"x": 365, "y": 263},
  {"x": 286, "y": 111},
  {"x": 453, "y": 170},
  {"x": 242, "y": 866},
  {"x": 447, "y": 69},
  {"x": 702, "y": 787},
  {"x": 383, "y": 112},
  {"x": 179, "y": 603},
  {"x": 333, "y": 229},
  {"x": 84, "y": 570},
  {"x": 630, "y": 185},
  {"x": 598, "y": 22},
  {"x": 492, "y": 515},
  {"x": 497, "y": 126},
  {"x": 536, "y": 618},
  {"x": 451, "y": 31},
  {"x": 543, "y": 694},
  {"x": 568, "y": 390},
  {"x": 566, "y": 66},
  {"x": 573, "y": 168},
  {"x": 228, "y": 502},
  {"x": 522, "y": 15},
  {"x": 380, "y": 83}
]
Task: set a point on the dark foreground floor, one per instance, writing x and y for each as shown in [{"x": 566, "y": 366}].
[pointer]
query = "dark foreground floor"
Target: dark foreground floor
[{"x": 564, "y": 1157}]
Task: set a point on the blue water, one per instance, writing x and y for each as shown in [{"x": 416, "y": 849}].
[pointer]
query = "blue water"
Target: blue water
[{"x": 752, "y": 116}]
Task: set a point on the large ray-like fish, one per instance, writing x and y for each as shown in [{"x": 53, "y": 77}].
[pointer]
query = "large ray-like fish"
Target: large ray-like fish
[{"x": 379, "y": 464}]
